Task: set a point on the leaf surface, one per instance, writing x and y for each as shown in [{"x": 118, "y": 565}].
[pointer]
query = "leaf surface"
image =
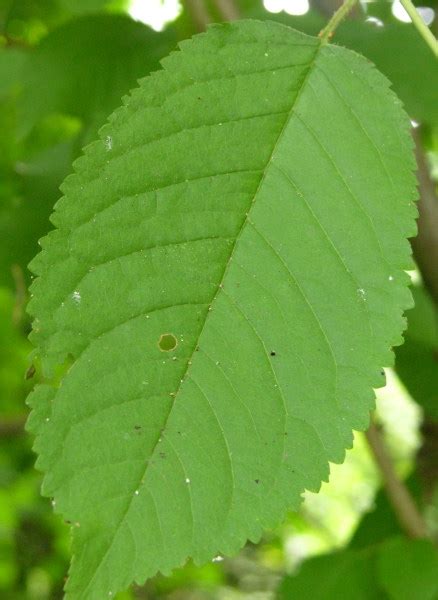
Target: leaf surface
[
  {"x": 223, "y": 286},
  {"x": 414, "y": 77}
]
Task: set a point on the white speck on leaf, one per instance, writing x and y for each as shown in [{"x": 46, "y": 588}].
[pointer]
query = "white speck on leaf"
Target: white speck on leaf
[
  {"x": 108, "y": 142},
  {"x": 76, "y": 296},
  {"x": 217, "y": 558},
  {"x": 187, "y": 480}
]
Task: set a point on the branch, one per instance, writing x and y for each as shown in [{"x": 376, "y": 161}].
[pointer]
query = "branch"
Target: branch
[
  {"x": 427, "y": 460},
  {"x": 399, "y": 497},
  {"x": 12, "y": 427},
  {"x": 227, "y": 9},
  {"x": 425, "y": 245},
  {"x": 199, "y": 13}
]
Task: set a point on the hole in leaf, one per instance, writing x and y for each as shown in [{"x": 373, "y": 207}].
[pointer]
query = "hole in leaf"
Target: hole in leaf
[{"x": 167, "y": 342}]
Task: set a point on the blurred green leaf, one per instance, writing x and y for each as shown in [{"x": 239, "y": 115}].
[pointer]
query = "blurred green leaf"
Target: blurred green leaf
[
  {"x": 408, "y": 569},
  {"x": 27, "y": 21},
  {"x": 82, "y": 69},
  {"x": 27, "y": 196},
  {"x": 11, "y": 65},
  {"x": 14, "y": 351},
  {"x": 397, "y": 569},
  {"x": 381, "y": 522},
  {"x": 339, "y": 576},
  {"x": 417, "y": 360},
  {"x": 85, "y": 67},
  {"x": 78, "y": 7}
]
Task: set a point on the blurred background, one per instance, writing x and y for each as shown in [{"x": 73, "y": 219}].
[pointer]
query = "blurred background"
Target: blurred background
[{"x": 64, "y": 66}]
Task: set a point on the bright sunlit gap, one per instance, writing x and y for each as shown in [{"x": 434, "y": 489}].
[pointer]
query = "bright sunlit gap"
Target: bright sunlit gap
[
  {"x": 155, "y": 13},
  {"x": 292, "y": 7},
  {"x": 425, "y": 12}
]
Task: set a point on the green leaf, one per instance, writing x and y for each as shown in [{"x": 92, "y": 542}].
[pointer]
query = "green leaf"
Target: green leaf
[
  {"x": 14, "y": 349},
  {"x": 11, "y": 65},
  {"x": 408, "y": 569},
  {"x": 84, "y": 6},
  {"x": 87, "y": 65},
  {"x": 417, "y": 359},
  {"x": 397, "y": 569},
  {"x": 341, "y": 575},
  {"x": 397, "y": 50},
  {"x": 402, "y": 55},
  {"x": 26, "y": 201},
  {"x": 248, "y": 207},
  {"x": 381, "y": 522}
]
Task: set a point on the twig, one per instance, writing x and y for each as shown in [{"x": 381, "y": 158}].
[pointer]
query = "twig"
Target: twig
[
  {"x": 328, "y": 31},
  {"x": 199, "y": 13},
  {"x": 12, "y": 427},
  {"x": 227, "y": 9},
  {"x": 427, "y": 460},
  {"x": 425, "y": 245},
  {"x": 421, "y": 26},
  {"x": 401, "y": 500}
]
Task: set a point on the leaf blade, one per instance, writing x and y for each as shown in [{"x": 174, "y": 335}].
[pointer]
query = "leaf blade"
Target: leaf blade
[{"x": 176, "y": 427}]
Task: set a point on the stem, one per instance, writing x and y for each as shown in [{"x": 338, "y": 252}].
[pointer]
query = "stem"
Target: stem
[
  {"x": 327, "y": 33},
  {"x": 228, "y": 10},
  {"x": 401, "y": 500},
  {"x": 421, "y": 26},
  {"x": 427, "y": 461},
  {"x": 425, "y": 245},
  {"x": 199, "y": 13},
  {"x": 12, "y": 427}
]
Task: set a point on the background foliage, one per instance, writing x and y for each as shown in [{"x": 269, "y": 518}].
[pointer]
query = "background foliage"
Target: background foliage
[{"x": 64, "y": 66}]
